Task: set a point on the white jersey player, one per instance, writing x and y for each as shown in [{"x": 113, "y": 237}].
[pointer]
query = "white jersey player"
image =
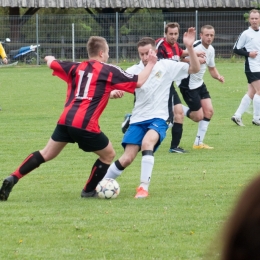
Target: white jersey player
[
  {"x": 248, "y": 45},
  {"x": 194, "y": 90},
  {"x": 148, "y": 121}
]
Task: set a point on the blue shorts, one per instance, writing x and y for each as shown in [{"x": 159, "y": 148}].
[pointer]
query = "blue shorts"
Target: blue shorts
[{"x": 136, "y": 132}]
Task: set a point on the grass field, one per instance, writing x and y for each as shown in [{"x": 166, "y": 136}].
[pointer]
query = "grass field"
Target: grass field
[{"x": 190, "y": 194}]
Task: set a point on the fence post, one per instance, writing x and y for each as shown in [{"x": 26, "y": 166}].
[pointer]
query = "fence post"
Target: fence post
[
  {"x": 196, "y": 24},
  {"x": 37, "y": 38},
  {"x": 62, "y": 53},
  {"x": 73, "y": 43},
  {"x": 117, "y": 36}
]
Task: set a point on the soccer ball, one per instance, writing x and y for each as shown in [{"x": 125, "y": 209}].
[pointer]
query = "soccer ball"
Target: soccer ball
[{"x": 108, "y": 189}]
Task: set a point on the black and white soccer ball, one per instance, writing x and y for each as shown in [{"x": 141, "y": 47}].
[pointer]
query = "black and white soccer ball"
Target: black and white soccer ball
[{"x": 108, "y": 189}]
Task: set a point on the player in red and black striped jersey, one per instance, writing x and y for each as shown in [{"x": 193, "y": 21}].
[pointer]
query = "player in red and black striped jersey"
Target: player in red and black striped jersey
[
  {"x": 169, "y": 48},
  {"x": 90, "y": 84}
]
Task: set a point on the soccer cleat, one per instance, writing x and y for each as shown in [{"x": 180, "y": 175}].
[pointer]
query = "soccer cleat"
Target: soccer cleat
[
  {"x": 202, "y": 146},
  {"x": 126, "y": 123},
  {"x": 141, "y": 193},
  {"x": 237, "y": 120},
  {"x": 177, "y": 150},
  {"x": 6, "y": 188},
  {"x": 256, "y": 122},
  {"x": 90, "y": 194}
]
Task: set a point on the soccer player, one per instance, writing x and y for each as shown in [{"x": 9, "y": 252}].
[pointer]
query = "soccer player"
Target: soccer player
[
  {"x": 168, "y": 48},
  {"x": 90, "y": 84},
  {"x": 248, "y": 45},
  {"x": 194, "y": 90},
  {"x": 148, "y": 124}
]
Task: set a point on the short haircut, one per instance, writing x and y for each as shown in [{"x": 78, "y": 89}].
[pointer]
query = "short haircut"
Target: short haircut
[
  {"x": 95, "y": 44},
  {"x": 209, "y": 27},
  {"x": 254, "y": 11},
  {"x": 171, "y": 25},
  {"x": 145, "y": 41}
]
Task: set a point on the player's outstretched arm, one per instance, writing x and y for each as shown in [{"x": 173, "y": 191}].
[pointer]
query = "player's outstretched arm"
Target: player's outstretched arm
[
  {"x": 144, "y": 74},
  {"x": 188, "y": 40},
  {"x": 49, "y": 60}
]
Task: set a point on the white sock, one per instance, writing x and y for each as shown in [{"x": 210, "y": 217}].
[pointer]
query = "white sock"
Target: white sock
[
  {"x": 185, "y": 110},
  {"x": 202, "y": 129},
  {"x": 244, "y": 105},
  {"x": 256, "y": 106},
  {"x": 146, "y": 171},
  {"x": 113, "y": 172}
]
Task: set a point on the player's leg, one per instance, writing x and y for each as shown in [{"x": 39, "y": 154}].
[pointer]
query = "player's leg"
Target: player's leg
[
  {"x": 33, "y": 161},
  {"x": 243, "y": 106},
  {"x": 150, "y": 143},
  {"x": 203, "y": 125},
  {"x": 177, "y": 128},
  {"x": 207, "y": 108},
  {"x": 256, "y": 102},
  {"x": 100, "y": 145},
  {"x": 117, "y": 167}
]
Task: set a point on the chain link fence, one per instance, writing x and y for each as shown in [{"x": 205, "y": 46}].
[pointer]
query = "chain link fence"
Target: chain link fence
[{"x": 65, "y": 36}]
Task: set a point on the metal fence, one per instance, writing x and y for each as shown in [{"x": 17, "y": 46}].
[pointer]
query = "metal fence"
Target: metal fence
[{"x": 65, "y": 36}]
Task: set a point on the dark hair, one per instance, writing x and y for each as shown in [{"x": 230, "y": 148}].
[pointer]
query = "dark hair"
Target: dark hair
[
  {"x": 171, "y": 25},
  {"x": 95, "y": 44},
  {"x": 207, "y": 26},
  {"x": 145, "y": 41},
  {"x": 241, "y": 240}
]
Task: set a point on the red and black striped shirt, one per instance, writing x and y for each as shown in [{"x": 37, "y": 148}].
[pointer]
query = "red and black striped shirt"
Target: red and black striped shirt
[
  {"x": 167, "y": 51},
  {"x": 88, "y": 91}
]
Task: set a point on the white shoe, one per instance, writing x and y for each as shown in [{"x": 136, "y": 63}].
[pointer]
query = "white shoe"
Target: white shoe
[
  {"x": 237, "y": 120},
  {"x": 256, "y": 122}
]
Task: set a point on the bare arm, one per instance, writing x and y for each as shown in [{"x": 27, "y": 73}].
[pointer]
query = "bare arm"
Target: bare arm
[
  {"x": 188, "y": 40},
  {"x": 49, "y": 60},
  {"x": 215, "y": 74},
  {"x": 143, "y": 76}
]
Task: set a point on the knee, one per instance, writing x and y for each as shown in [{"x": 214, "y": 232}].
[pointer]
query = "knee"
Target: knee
[
  {"x": 196, "y": 117},
  {"x": 179, "y": 116},
  {"x": 209, "y": 113}
]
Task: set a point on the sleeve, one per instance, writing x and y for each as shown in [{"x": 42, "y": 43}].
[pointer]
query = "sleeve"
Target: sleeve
[
  {"x": 2, "y": 51},
  {"x": 123, "y": 80},
  {"x": 211, "y": 62},
  {"x": 61, "y": 69},
  {"x": 177, "y": 70},
  {"x": 161, "y": 52}
]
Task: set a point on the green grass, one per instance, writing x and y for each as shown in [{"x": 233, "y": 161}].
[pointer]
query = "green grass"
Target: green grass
[{"x": 190, "y": 194}]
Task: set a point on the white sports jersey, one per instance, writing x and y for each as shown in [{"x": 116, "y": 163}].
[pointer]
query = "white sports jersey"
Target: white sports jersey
[
  {"x": 151, "y": 100},
  {"x": 249, "y": 40},
  {"x": 196, "y": 80}
]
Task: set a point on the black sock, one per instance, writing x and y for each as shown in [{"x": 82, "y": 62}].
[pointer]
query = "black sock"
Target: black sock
[
  {"x": 33, "y": 161},
  {"x": 176, "y": 134},
  {"x": 98, "y": 172}
]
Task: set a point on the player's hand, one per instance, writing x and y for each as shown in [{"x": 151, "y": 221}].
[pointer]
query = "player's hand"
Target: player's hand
[
  {"x": 201, "y": 54},
  {"x": 221, "y": 79},
  {"x": 202, "y": 60},
  {"x": 5, "y": 60},
  {"x": 189, "y": 37},
  {"x": 152, "y": 57},
  {"x": 253, "y": 54},
  {"x": 116, "y": 94}
]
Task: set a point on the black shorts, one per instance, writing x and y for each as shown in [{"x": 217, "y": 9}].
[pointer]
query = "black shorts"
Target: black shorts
[
  {"x": 87, "y": 141},
  {"x": 192, "y": 97},
  {"x": 252, "y": 76},
  {"x": 174, "y": 99}
]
